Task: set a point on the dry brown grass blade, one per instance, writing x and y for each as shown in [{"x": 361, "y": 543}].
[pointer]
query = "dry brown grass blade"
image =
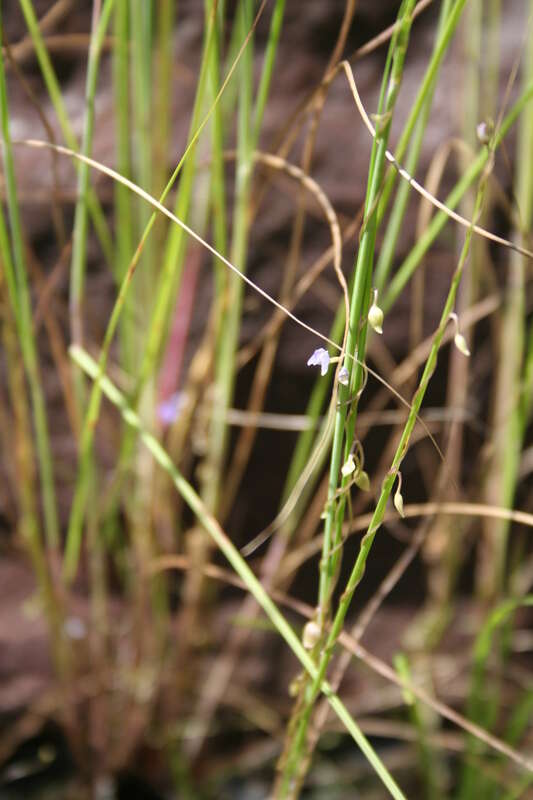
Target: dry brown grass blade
[
  {"x": 55, "y": 14},
  {"x": 300, "y": 556}
]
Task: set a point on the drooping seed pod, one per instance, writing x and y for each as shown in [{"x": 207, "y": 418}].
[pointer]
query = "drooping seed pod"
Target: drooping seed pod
[
  {"x": 460, "y": 343},
  {"x": 362, "y": 481},
  {"x": 398, "y": 503}
]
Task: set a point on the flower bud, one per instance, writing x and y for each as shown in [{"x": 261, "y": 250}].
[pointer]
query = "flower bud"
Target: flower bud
[
  {"x": 344, "y": 376},
  {"x": 311, "y": 634},
  {"x": 348, "y": 467},
  {"x": 484, "y": 132},
  {"x": 375, "y": 315},
  {"x": 460, "y": 343}
]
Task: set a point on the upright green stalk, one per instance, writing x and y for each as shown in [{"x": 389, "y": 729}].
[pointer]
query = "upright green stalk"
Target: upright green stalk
[
  {"x": 356, "y": 343},
  {"x": 175, "y": 247},
  {"x": 218, "y": 183},
  {"x": 482, "y": 709},
  {"x": 268, "y": 68},
  {"x": 79, "y": 244},
  {"x": 163, "y": 85},
  {"x": 225, "y": 377},
  {"x": 294, "y": 762},
  {"x": 428, "y": 766},
  {"x": 420, "y": 115},
  {"x": 54, "y": 91},
  {"x": 249, "y": 122},
  {"x": 79, "y": 248},
  {"x": 491, "y": 82},
  {"x": 508, "y": 418},
  {"x": 417, "y": 110},
  {"x": 444, "y": 570},
  {"x": 176, "y": 242},
  {"x": 140, "y": 19},
  {"x": 74, "y": 533},
  {"x": 123, "y": 201},
  {"x": 17, "y": 280}
]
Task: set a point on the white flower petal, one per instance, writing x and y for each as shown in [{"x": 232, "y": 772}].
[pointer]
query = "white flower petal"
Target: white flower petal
[
  {"x": 320, "y": 358},
  {"x": 348, "y": 467}
]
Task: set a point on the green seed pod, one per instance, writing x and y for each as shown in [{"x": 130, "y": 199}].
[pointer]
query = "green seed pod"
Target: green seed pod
[
  {"x": 362, "y": 481},
  {"x": 398, "y": 503}
]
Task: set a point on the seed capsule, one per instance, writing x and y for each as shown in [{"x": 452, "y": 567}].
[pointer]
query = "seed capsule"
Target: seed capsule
[
  {"x": 362, "y": 481},
  {"x": 398, "y": 503}
]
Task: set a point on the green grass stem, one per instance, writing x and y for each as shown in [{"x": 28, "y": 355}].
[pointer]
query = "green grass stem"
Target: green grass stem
[
  {"x": 18, "y": 285},
  {"x": 74, "y": 533},
  {"x": 483, "y": 699},
  {"x": 141, "y": 77},
  {"x": 392, "y": 231},
  {"x": 356, "y": 342},
  {"x": 427, "y": 757},
  {"x": 248, "y": 128},
  {"x": 81, "y": 219},
  {"x": 124, "y": 233},
  {"x": 297, "y": 740},
  {"x": 508, "y": 420},
  {"x": 231, "y": 319},
  {"x": 54, "y": 91},
  {"x": 424, "y": 92}
]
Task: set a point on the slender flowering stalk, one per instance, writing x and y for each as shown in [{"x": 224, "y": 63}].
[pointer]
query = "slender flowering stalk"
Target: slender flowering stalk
[
  {"x": 326, "y": 651},
  {"x": 356, "y": 344},
  {"x": 294, "y": 764}
]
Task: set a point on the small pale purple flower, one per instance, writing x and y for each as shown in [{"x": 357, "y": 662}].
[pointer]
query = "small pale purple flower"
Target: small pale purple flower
[
  {"x": 320, "y": 358},
  {"x": 344, "y": 376},
  {"x": 168, "y": 410},
  {"x": 75, "y": 628}
]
